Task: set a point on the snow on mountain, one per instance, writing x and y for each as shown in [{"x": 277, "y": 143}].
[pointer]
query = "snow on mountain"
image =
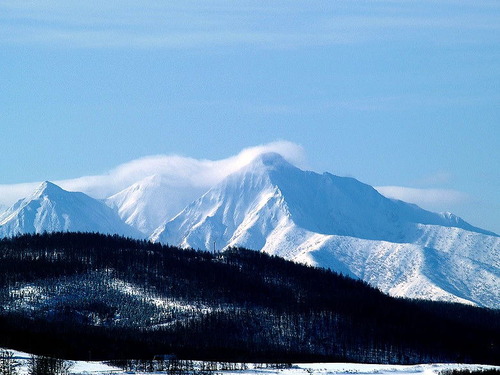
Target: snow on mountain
[
  {"x": 343, "y": 224},
  {"x": 50, "y": 208},
  {"x": 148, "y": 203}
]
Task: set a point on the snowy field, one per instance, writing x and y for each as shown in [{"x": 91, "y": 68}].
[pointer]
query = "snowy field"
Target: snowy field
[{"x": 99, "y": 368}]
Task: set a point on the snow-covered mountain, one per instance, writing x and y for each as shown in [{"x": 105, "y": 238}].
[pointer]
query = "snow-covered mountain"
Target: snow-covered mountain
[
  {"x": 50, "y": 208},
  {"x": 345, "y": 225},
  {"x": 272, "y": 206},
  {"x": 148, "y": 203}
]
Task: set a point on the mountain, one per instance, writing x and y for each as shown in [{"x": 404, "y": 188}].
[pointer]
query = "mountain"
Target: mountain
[
  {"x": 148, "y": 203},
  {"x": 347, "y": 226},
  {"x": 50, "y": 208}
]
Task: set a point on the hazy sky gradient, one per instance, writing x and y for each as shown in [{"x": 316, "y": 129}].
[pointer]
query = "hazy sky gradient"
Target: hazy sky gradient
[{"x": 394, "y": 93}]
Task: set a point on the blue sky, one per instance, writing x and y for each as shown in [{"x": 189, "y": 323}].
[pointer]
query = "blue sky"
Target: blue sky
[{"x": 399, "y": 94}]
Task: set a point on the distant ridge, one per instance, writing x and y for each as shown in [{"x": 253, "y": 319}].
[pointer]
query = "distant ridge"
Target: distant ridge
[
  {"x": 51, "y": 209},
  {"x": 148, "y": 203}
]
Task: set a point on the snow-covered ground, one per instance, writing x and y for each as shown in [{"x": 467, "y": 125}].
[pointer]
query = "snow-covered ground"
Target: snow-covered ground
[
  {"x": 78, "y": 367},
  {"x": 100, "y": 368}
]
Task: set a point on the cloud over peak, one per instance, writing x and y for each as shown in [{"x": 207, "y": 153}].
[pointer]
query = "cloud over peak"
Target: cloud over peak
[
  {"x": 180, "y": 172},
  {"x": 186, "y": 178}
]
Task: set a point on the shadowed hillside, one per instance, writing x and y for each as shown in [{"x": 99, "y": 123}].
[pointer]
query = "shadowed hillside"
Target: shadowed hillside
[{"x": 73, "y": 295}]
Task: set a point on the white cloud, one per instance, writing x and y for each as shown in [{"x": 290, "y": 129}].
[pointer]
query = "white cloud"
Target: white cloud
[
  {"x": 284, "y": 24},
  {"x": 184, "y": 173},
  {"x": 427, "y": 198}
]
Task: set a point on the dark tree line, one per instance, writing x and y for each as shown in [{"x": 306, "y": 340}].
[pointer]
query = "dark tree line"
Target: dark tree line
[{"x": 75, "y": 295}]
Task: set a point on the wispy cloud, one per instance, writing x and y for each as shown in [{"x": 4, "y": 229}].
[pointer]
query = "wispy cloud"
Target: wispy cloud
[
  {"x": 282, "y": 24},
  {"x": 182, "y": 172},
  {"x": 435, "y": 179},
  {"x": 426, "y": 198}
]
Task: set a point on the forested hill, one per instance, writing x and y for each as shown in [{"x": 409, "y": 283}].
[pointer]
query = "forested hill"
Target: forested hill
[{"x": 76, "y": 295}]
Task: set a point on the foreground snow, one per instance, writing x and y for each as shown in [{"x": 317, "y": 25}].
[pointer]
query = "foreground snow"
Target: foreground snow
[
  {"x": 78, "y": 367},
  {"x": 85, "y": 367}
]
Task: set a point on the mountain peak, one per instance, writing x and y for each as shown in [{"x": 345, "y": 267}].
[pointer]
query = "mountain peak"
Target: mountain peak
[
  {"x": 153, "y": 179},
  {"x": 46, "y": 187},
  {"x": 271, "y": 160},
  {"x": 45, "y": 184}
]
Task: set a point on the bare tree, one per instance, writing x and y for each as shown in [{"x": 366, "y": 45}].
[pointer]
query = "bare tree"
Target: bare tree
[
  {"x": 43, "y": 365},
  {"x": 7, "y": 363}
]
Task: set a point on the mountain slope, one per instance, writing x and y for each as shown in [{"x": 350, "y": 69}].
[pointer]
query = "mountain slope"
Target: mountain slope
[
  {"x": 50, "y": 208},
  {"x": 345, "y": 225},
  {"x": 149, "y": 202}
]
